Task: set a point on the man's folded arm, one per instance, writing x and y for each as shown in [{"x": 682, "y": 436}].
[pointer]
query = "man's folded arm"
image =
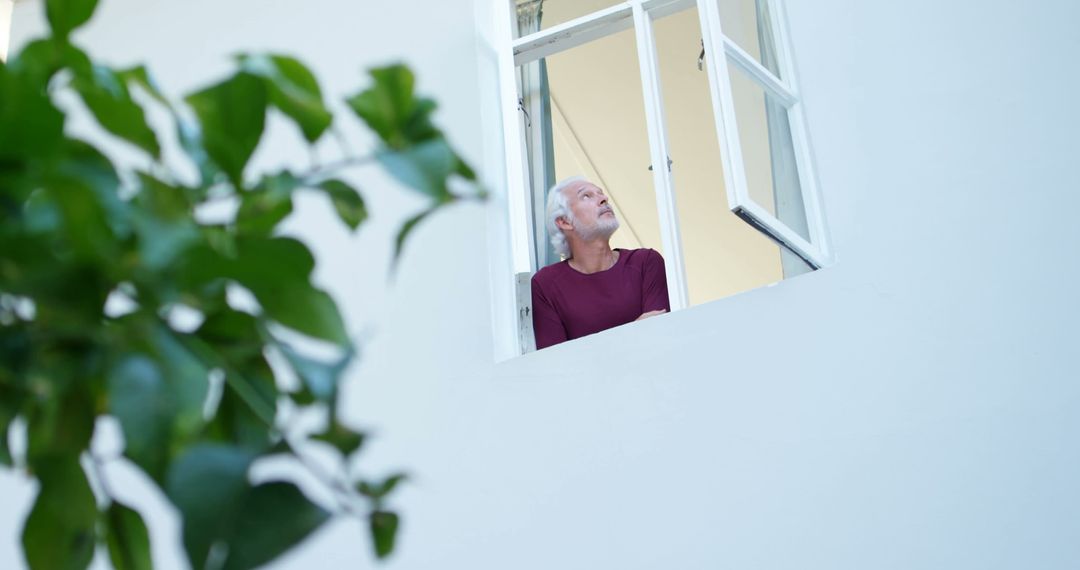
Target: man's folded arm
[
  {"x": 654, "y": 293},
  {"x": 548, "y": 328}
]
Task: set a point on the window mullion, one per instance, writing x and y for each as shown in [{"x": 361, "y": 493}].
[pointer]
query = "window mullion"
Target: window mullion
[
  {"x": 665, "y": 197},
  {"x": 573, "y": 33},
  {"x": 783, "y": 93}
]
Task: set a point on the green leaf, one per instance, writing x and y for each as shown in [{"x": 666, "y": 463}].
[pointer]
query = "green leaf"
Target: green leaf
[
  {"x": 108, "y": 98},
  {"x": 232, "y": 115},
  {"x": 223, "y": 514},
  {"x": 85, "y": 222},
  {"x": 163, "y": 200},
  {"x": 140, "y": 76},
  {"x": 15, "y": 351},
  {"x": 187, "y": 378},
  {"x": 66, "y": 15},
  {"x": 464, "y": 170},
  {"x": 86, "y": 165},
  {"x": 344, "y": 439},
  {"x": 379, "y": 491},
  {"x": 261, "y": 259},
  {"x": 40, "y": 215},
  {"x": 207, "y": 484},
  {"x": 320, "y": 378},
  {"x": 233, "y": 334},
  {"x": 253, "y": 542},
  {"x": 248, "y": 405},
  {"x": 30, "y": 125},
  {"x": 245, "y": 411},
  {"x": 293, "y": 90},
  {"x": 418, "y": 153},
  {"x": 347, "y": 201},
  {"x": 6, "y": 459},
  {"x": 64, "y": 423},
  {"x": 236, "y": 424},
  {"x": 262, "y": 208},
  {"x": 302, "y": 397},
  {"x": 407, "y": 228},
  {"x": 41, "y": 59},
  {"x": 69, "y": 294},
  {"x": 141, "y": 400},
  {"x": 424, "y": 167},
  {"x": 276, "y": 270},
  {"x": 161, "y": 242},
  {"x": 157, "y": 399},
  {"x": 390, "y": 108},
  {"x": 127, "y": 538},
  {"x": 383, "y": 526},
  {"x": 59, "y": 532},
  {"x": 191, "y": 140},
  {"x": 163, "y": 222},
  {"x": 7, "y": 414},
  {"x": 83, "y": 186}
]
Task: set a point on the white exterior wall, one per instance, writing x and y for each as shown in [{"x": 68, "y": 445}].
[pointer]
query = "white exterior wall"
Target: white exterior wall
[{"x": 914, "y": 406}]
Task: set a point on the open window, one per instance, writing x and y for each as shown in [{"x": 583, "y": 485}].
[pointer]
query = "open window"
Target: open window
[{"x": 687, "y": 113}]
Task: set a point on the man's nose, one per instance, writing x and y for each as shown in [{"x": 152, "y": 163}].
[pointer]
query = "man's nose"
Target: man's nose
[{"x": 603, "y": 199}]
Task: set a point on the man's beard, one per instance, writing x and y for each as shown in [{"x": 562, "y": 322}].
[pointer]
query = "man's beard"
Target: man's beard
[{"x": 603, "y": 228}]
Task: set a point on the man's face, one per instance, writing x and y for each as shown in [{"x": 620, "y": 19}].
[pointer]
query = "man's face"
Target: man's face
[{"x": 592, "y": 214}]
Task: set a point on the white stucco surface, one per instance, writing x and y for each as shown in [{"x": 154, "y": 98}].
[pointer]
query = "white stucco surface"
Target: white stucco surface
[{"x": 914, "y": 406}]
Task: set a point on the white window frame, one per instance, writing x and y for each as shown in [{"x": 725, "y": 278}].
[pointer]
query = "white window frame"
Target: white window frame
[{"x": 496, "y": 22}]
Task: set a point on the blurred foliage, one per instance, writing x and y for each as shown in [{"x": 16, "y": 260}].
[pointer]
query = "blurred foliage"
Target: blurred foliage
[{"x": 97, "y": 260}]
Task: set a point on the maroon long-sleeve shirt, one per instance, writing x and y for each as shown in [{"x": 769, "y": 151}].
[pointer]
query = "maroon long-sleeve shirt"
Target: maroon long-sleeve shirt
[{"x": 568, "y": 304}]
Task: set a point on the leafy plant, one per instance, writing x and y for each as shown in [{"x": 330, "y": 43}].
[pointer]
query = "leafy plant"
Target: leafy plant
[{"x": 117, "y": 298}]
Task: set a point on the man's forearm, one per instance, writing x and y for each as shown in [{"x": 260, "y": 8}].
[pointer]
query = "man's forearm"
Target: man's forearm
[{"x": 650, "y": 314}]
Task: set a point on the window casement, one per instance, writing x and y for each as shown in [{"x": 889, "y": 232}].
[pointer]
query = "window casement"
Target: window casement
[{"x": 687, "y": 112}]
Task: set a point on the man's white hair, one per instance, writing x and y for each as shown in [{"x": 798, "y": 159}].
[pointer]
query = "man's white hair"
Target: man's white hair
[{"x": 558, "y": 207}]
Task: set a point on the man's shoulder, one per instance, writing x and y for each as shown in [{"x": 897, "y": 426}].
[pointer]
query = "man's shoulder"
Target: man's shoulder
[
  {"x": 548, "y": 272},
  {"x": 642, "y": 256}
]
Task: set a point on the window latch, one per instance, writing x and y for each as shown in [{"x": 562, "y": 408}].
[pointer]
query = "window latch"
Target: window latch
[
  {"x": 701, "y": 57},
  {"x": 669, "y": 163},
  {"x": 521, "y": 107}
]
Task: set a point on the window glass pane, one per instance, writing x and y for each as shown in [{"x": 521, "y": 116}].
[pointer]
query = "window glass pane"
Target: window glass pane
[
  {"x": 536, "y": 15},
  {"x": 723, "y": 254},
  {"x": 596, "y": 117},
  {"x": 772, "y": 175},
  {"x": 749, "y": 24}
]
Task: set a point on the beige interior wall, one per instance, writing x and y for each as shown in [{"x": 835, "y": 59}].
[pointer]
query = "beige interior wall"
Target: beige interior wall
[
  {"x": 596, "y": 93},
  {"x": 559, "y": 11},
  {"x": 599, "y": 131}
]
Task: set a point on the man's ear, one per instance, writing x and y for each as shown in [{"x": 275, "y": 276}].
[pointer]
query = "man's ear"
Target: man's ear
[{"x": 562, "y": 224}]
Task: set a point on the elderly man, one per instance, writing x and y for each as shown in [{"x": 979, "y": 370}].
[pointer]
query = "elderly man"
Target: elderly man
[{"x": 594, "y": 288}]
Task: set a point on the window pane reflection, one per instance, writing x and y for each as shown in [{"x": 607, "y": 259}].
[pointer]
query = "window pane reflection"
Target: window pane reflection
[
  {"x": 772, "y": 173},
  {"x": 749, "y": 24}
]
